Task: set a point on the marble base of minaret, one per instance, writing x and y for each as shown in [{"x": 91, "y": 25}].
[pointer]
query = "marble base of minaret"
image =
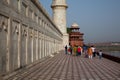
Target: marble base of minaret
[{"x": 65, "y": 39}]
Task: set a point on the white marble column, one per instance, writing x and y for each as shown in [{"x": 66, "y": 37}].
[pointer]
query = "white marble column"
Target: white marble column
[
  {"x": 19, "y": 44},
  {"x": 37, "y": 36},
  {"x": 32, "y": 46},
  {"x": 26, "y": 60},
  {"x": 8, "y": 47},
  {"x": 40, "y": 47}
]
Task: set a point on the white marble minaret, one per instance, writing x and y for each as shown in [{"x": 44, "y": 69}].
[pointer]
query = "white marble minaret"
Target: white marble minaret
[{"x": 59, "y": 16}]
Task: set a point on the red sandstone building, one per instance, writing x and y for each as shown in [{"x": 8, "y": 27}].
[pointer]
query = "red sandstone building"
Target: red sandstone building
[{"x": 75, "y": 36}]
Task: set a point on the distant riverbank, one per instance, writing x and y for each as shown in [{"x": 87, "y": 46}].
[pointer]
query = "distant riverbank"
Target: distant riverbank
[
  {"x": 113, "y": 53},
  {"x": 108, "y": 48}
]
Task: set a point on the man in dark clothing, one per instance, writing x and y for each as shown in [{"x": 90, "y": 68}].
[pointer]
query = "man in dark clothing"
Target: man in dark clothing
[
  {"x": 85, "y": 47},
  {"x": 66, "y": 49}
]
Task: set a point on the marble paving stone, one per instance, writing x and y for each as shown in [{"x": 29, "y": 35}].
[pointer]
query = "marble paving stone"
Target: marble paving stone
[{"x": 68, "y": 67}]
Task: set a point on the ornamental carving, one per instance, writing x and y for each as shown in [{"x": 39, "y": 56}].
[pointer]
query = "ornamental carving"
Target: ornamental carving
[
  {"x": 24, "y": 31},
  {"x": 35, "y": 34},
  {"x": 31, "y": 33},
  {"x": 15, "y": 27},
  {"x": 3, "y": 23}
]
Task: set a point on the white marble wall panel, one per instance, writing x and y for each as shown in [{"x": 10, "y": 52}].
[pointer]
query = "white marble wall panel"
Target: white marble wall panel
[
  {"x": 3, "y": 42},
  {"x": 24, "y": 54},
  {"x": 27, "y": 34},
  {"x": 14, "y": 49},
  {"x": 30, "y": 39},
  {"x": 34, "y": 46},
  {"x": 39, "y": 46}
]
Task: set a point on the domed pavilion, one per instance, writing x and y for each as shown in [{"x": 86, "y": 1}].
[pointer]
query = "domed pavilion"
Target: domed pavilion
[{"x": 75, "y": 36}]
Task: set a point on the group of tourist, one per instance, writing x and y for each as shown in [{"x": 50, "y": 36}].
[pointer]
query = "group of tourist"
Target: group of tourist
[
  {"x": 88, "y": 51},
  {"x": 76, "y": 50}
]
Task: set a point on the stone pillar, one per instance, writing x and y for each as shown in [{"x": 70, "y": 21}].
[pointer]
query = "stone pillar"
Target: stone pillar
[
  {"x": 8, "y": 48},
  {"x": 37, "y": 45},
  {"x": 30, "y": 37},
  {"x": 27, "y": 45},
  {"x": 32, "y": 47},
  {"x": 42, "y": 45},
  {"x": 59, "y": 16},
  {"x": 48, "y": 46}
]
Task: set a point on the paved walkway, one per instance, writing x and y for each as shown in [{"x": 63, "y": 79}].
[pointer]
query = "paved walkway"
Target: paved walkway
[{"x": 67, "y": 67}]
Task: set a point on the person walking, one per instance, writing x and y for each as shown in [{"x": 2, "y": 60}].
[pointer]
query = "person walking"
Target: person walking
[
  {"x": 75, "y": 50},
  {"x": 70, "y": 49},
  {"x": 79, "y": 50},
  {"x": 85, "y": 50},
  {"x": 90, "y": 53},
  {"x": 66, "y": 49},
  {"x": 93, "y": 51},
  {"x": 100, "y": 54}
]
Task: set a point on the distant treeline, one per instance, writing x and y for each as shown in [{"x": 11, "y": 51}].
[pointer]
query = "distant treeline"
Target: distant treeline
[{"x": 108, "y": 48}]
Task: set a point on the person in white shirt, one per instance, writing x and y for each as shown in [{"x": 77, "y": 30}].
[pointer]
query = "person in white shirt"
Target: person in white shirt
[
  {"x": 93, "y": 51},
  {"x": 100, "y": 54}
]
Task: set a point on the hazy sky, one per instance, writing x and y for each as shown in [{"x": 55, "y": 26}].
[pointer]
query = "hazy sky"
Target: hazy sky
[{"x": 99, "y": 20}]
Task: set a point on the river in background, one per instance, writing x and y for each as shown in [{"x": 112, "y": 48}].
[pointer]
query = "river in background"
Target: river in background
[{"x": 114, "y": 53}]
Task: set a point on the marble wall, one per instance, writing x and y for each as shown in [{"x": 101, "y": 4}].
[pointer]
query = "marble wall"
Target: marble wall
[{"x": 27, "y": 34}]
